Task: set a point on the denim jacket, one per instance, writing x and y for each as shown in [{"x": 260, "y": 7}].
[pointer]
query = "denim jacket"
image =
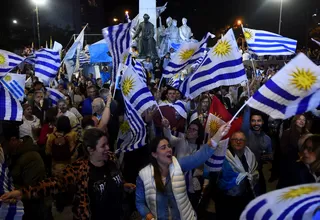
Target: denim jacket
[{"x": 165, "y": 200}]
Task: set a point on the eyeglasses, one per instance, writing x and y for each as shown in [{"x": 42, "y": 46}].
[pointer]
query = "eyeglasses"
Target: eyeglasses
[
  {"x": 309, "y": 149},
  {"x": 238, "y": 140}
]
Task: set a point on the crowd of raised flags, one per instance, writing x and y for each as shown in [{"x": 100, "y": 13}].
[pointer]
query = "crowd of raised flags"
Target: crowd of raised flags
[{"x": 295, "y": 89}]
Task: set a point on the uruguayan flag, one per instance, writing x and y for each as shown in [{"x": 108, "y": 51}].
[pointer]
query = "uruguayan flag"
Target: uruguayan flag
[
  {"x": 136, "y": 91},
  {"x": 317, "y": 42},
  {"x": 55, "y": 96},
  {"x": 136, "y": 130},
  {"x": 295, "y": 89},
  {"x": 296, "y": 202},
  {"x": 47, "y": 64},
  {"x": 175, "y": 81},
  {"x": 8, "y": 61},
  {"x": 15, "y": 83},
  {"x": 179, "y": 106},
  {"x": 187, "y": 54},
  {"x": 10, "y": 108},
  {"x": 118, "y": 39},
  {"x": 222, "y": 66},
  {"x": 83, "y": 58},
  {"x": 139, "y": 69},
  {"x": 267, "y": 43}
]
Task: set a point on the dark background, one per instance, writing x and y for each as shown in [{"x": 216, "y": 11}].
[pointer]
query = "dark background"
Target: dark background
[{"x": 62, "y": 18}]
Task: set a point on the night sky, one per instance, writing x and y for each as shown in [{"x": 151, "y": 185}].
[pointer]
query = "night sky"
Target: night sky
[{"x": 202, "y": 15}]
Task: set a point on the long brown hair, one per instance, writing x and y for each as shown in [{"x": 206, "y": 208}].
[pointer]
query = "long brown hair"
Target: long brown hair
[
  {"x": 203, "y": 97},
  {"x": 157, "y": 172},
  {"x": 293, "y": 126}
]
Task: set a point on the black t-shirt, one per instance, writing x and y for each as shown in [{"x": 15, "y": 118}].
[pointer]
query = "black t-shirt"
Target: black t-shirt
[{"x": 105, "y": 192}]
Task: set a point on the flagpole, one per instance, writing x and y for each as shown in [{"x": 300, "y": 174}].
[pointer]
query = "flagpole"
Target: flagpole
[
  {"x": 238, "y": 112},
  {"x": 160, "y": 83},
  {"x": 160, "y": 111}
]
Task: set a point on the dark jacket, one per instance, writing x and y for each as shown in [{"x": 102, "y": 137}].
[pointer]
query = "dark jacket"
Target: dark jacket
[
  {"x": 27, "y": 167},
  {"x": 41, "y": 112}
]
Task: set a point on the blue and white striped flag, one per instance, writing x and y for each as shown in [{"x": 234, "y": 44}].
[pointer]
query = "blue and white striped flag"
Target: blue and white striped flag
[
  {"x": 215, "y": 162},
  {"x": 175, "y": 81},
  {"x": 10, "y": 108},
  {"x": 137, "y": 66},
  {"x": 179, "y": 106},
  {"x": 15, "y": 83},
  {"x": 55, "y": 96},
  {"x": 118, "y": 39},
  {"x": 267, "y": 43},
  {"x": 136, "y": 133},
  {"x": 296, "y": 202},
  {"x": 295, "y": 89},
  {"x": 187, "y": 54},
  {"x": 47, "y": 64},
  {"x": 84, "y": 58},
  {"x": 136, "y": 91},
  {"x": 222, "y": 66},
  {"x": 8, "y": 61}
]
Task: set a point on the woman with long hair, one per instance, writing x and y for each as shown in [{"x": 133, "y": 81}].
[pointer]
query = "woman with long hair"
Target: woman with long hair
[
  {"x": 96, "y": 179},
  {"x": 289, "y": 147},
  {"x": 161, "y": 189},
  {"x": 202, "y": 111}
]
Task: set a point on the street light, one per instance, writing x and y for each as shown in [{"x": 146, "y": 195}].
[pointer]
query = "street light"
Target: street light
[
  {"x": 239, "y": 22},
  {"x": 38, "y": 2},
  {"x": 280, "y": 18},
  {"x": 15, "y": 21},
  {"x": 115, "y": 19}
]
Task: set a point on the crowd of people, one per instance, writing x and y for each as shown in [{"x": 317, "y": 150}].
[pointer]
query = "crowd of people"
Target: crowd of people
[{"x": 64, "y": 154}]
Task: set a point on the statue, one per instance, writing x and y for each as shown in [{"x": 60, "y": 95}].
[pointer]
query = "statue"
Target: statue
[
  {"x": 185, "y": 31},
  {"x": 164, "y": 45},
  {"x": 174, "y": 36},
  {"x": 147, "y": 44}
]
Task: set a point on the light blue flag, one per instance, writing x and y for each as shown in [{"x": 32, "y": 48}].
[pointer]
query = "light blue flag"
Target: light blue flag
[
  {"x": 136, "y": 91},
  {"x": 8, "y": 61},
  {"x": 54, "y": 96},
  {"x": 71, "y": 59},
  {"x": 15, "y": 83},
  {"x": 47, "y": 64},
  {"x": 187, "y": 54},
  {"x": 10, "y": 108},
  {"x": 99, "y": 52},
  {"x": 135, "y": 135},
  {"x": 118, "y": 39},
  {"x": 295, "y": 89},
  {"x": 267, "y": 43},
  {"x": 296, "y": 202},
  {"x": 222, "y": 66}
]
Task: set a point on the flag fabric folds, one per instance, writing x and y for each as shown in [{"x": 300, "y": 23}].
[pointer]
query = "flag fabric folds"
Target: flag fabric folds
[
  {"x": 84, "y": 58},
  {"x": 99, "y": 52},
  {"x": 295, "y": 89},
  {"x": 267, "y": 43},
  {"x": 187, "y": 54},
  {"x": 10, "y": 108},
  {"x": 55, "y": 96},
  {"x": 8, "y": 61},
  {"x": 317, "y": 42},
  {"x": 47, "y": 64},
  {"x": 296, "y": 202},
  {"x": 175, "y": 81},
  {"x": 222, "y": 66},
  {"x": 15, "y": 84},
  {"x": 71, "y": 59},
  {"x": 135, "y": 135},
  {"x": 136, "y": 91},
  {"x": 118, "y": 40}
]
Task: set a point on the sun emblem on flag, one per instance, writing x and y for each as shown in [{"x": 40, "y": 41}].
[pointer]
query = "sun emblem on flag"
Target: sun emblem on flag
[
  {"x": 223, "y": 48},
  {"x": 7, "y": 78},
  {"x": 297, "y": 192},
  {"x": 303, "y": 79},
  {"x": 2, "y": 59},
  {"x": 125, "y": 127},
  {"x": 127, "y": 85},
  {"x": 177, "y": 76},
  {"x": 186, "y": 54},
  {"x": 214, "y": 126},
  {"x": 248, "y": 34}
]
